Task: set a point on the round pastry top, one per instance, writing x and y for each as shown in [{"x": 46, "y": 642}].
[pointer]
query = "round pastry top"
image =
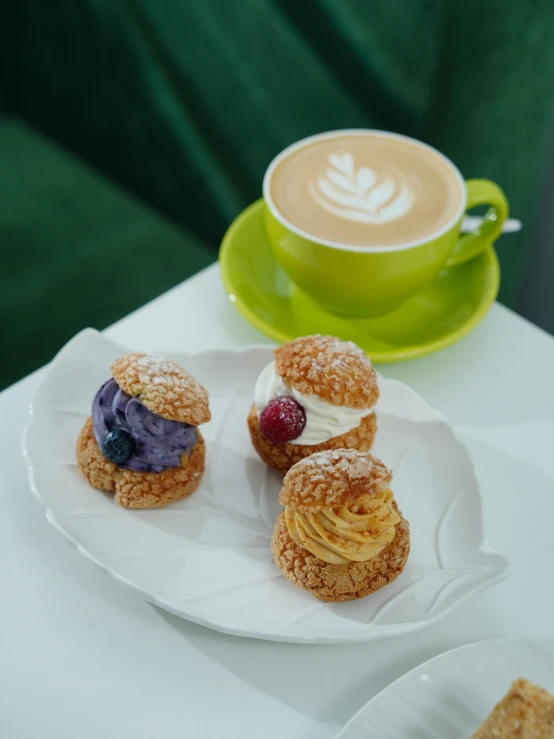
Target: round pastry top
[
  {"x": 331, "y": 479},
  {"x": 337, "y": 371},
  {"x": 163, "y": 387}
]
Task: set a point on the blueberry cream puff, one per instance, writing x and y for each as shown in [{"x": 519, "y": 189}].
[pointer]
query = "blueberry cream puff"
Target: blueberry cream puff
[
  {"x": 318, "y": 394},
  {"x": 142, "y": 441},
  {"x": 341, "y": 535}
]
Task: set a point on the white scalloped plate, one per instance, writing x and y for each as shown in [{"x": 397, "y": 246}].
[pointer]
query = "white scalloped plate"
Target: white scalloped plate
[
  {"x": 451, "y": 695},
  {"x": 207, "y": 558}
]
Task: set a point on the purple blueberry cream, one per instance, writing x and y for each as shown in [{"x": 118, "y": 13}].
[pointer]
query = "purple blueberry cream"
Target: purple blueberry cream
[{"x": 134, "y": 438}]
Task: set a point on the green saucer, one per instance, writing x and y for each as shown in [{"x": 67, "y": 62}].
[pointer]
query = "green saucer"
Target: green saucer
[{"x": 447, "y": 309}]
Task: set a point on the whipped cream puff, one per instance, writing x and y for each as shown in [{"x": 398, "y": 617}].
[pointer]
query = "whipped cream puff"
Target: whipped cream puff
[
  {"x": 319, "y": 393},
  {"x": 142, "y": 442},
  {"x": 341, "y": 535}
]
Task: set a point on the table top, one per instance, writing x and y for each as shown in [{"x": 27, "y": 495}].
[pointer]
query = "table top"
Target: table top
[{"x": 83, "y": 656}]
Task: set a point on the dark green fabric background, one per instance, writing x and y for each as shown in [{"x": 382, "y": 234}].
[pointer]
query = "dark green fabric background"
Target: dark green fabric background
[
  {"x": 75, "y": 250},
  {"x": 184, "y": 103}
]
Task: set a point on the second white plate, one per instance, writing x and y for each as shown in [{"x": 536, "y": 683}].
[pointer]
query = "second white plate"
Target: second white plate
[
  {"x": 452, "y": 694},
  {"x": 207, "y": 558}
]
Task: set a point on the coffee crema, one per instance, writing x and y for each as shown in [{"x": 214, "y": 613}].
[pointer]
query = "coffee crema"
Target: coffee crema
[{"x": 365, "y": 189}]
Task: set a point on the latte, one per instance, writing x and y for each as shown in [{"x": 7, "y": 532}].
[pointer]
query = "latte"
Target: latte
[{"x": 364, "y": 189}]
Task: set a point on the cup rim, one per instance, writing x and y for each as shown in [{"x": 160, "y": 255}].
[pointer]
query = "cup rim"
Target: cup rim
[{"x": 351, "y": 247}]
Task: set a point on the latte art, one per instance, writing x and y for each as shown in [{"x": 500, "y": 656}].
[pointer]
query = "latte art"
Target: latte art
[
  {"x": 360, "y": 194},
  {"x": 364, "y": 189}
]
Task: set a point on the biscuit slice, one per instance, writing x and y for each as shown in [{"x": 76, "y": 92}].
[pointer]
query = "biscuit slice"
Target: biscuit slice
[{"x": 526, "y": 712}]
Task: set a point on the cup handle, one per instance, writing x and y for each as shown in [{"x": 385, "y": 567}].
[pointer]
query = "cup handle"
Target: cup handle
[{"x": 468, "y": 246}]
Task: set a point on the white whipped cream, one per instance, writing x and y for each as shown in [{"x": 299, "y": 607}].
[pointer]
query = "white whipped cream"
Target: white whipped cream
[{"x": 323, "y": 420}]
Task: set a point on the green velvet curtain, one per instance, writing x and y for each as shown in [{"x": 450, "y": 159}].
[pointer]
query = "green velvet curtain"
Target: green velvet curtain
[
  {"x": 74, "y": 250},
  {"x": 184, "y": 102}
]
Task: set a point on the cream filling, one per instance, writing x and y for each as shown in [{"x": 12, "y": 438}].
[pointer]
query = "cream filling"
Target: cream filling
[
  {"x": 354, "y": 533},
  {"x": 323, "y": 420}
]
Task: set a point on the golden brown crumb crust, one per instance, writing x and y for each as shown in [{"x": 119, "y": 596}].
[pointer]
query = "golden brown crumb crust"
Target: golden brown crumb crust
[
  {"x": 333, "y": 478},
  {"x": 139, "y": 489},
  {"x": 163, "y": 386},
  {"x": 334, "y": 370},
  {"x": 283, "y": 456},
  {"x": 339, "y": 582},
  {"x": 527, "y": 711}
]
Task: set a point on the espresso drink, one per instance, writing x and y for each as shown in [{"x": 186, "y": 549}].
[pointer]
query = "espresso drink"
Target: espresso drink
[{"x": 365, "y": 189}]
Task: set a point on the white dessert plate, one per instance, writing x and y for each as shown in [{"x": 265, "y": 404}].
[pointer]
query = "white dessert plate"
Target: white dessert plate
[
  {"x": 452, "y": 694},
  {"x": 207, "y": 558}
]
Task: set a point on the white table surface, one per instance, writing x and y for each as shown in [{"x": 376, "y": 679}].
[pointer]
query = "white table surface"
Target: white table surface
[{"x": 83, "y": 657}]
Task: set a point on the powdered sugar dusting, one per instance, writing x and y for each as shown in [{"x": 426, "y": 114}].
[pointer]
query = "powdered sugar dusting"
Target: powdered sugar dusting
[
  {"x": 332, "y": 478},
  {"x": 163, "y": 386},
  {"x": 337, "y": 371}
]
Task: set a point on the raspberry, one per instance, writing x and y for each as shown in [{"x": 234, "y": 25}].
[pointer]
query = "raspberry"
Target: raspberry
[{"x": 282, "y": 420}]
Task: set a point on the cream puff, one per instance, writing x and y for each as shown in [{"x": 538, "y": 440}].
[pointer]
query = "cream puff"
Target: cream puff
[
  {"x": 319, "y": 393},
  {"x": 341, "y": 535},
  {"x": 141, "y": 442}
]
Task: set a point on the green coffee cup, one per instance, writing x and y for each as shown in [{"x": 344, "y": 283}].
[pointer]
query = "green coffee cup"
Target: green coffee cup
[{"x": 361, "y": 220}]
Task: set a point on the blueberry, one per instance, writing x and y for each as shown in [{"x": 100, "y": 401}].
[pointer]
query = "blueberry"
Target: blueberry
[{"x": 119, "y": 446}]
